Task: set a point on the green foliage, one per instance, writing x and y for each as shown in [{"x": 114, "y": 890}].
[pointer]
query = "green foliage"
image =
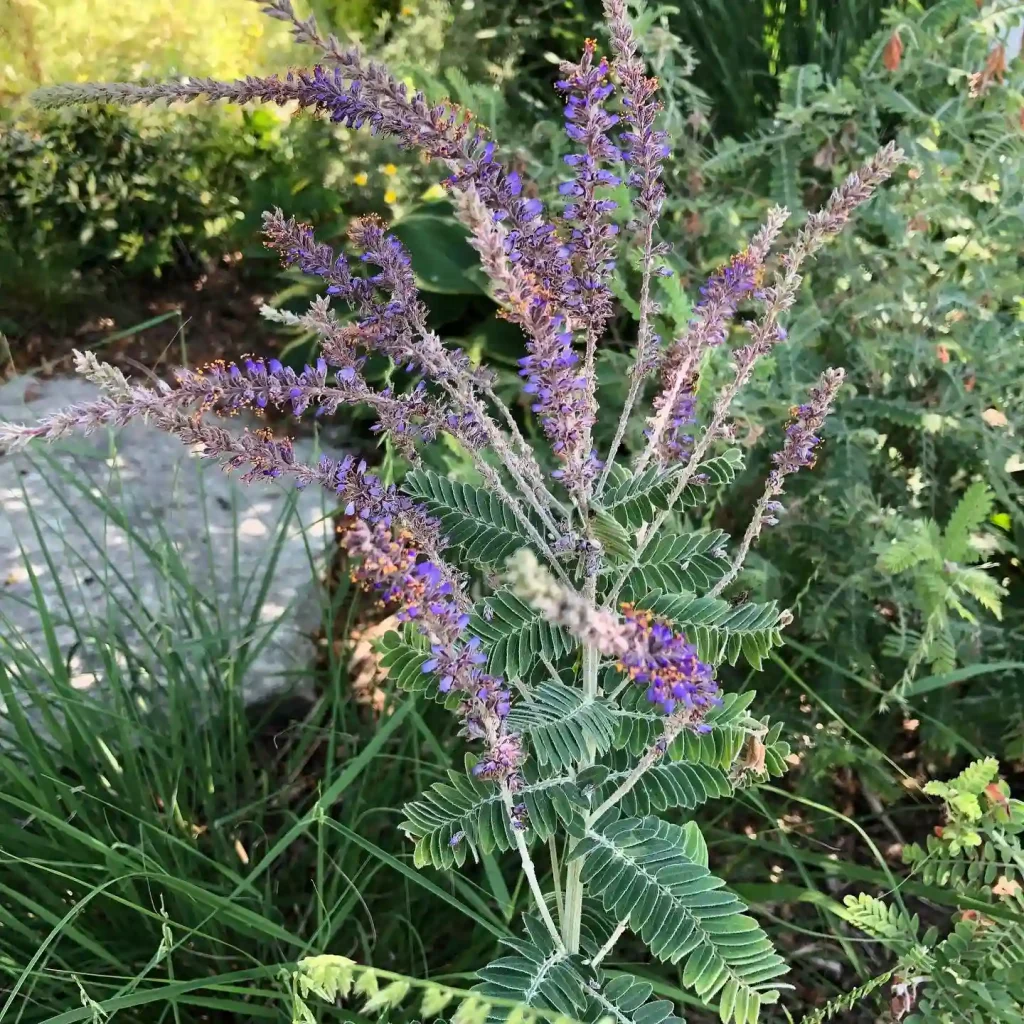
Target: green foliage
[
  {"x": 635, "y": 499},
  {"x": 721, "y": 631},
  {"x": 976, "y": 972},
  {"x": 515, "y": 635},
  {"x": 563, "y": 725},
  {"x": 333, "y": 978},
  {"x": 667, "y": 785},
  {"x": 933, "y": 559},
  {"x": 644, "y": 871},
  {"x": 537, "y": 975},
  {"x": 475, "y": 520},
  {"x": 475, "y": 809},
  {"x": 675, "y": 563},
  {"x": 979, "y": 842}
]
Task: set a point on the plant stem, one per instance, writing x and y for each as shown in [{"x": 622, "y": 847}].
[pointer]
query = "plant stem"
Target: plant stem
[
  {"x": 556, "y": 874},
  {"x": 610, "y": 944},
  {"x": 574, "y": 872},
  {"x": 637, "y": 372},
  {"x": 531, "y": 874},
  {"x": 653, "y": 754},
  {"x": 751, "y": 534}
]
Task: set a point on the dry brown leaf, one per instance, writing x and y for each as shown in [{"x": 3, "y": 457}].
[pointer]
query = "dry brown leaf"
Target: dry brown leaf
[
  {"x": 1006, "y": 887},
  {"x": 365, "y": 671},
  {"x": 997, "y": 796},
  {"x": 893, "y": 52}
]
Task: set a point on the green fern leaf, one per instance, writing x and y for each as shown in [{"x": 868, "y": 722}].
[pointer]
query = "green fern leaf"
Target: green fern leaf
[
  {"x": 473, "y": 519},
  {"x": 473, "y": 812},
  {"x": 639, "y": 869},
  {"x": 678, "y": 563},
  {"x": 889, "y": 925},
  {"x": 720, "y": 631},
  {"x": 909, "y": 551},
  {"x": 537, "y": 975},
  {"x": 971, "y": 511},
  {"x": 627, "y": 1000},
  {"x": 515, "y": 635},
  {"x": 562, "y": 726},
  {"x": 662, "y": 787},
  {"x": 636, "y": 500},
  {"x": 983, "y": 588}
]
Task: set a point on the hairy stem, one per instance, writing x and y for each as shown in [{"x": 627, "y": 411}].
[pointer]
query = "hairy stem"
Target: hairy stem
[
  {"x": 491, "y": 476},
  {"x": 610, "y": 944},
  {"x": 556, "y": 875},
  {"x": 650, "y": 758},
  {"x": 531, "y": 874},
  {"x": 574, "y": 872},
  {"x": 638, "y": 371},
  {"x": 752, "y": 532}
]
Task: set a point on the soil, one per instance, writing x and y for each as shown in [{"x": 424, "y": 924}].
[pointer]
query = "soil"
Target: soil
[{"x": 215, "y": 316}]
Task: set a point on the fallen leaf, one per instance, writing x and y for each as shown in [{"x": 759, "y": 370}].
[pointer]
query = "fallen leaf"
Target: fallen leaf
[
  {"x": 997, "y": 796},
  {"x": 1006, "y": 887},
  {"x": 994, "y": 418},
  {"x": 893, "y": 52}
]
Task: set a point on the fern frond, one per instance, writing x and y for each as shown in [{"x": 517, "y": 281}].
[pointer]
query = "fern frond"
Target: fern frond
[
  {"x": 473, "y": 519},
  {"x": 381, "y": 993},
  {"x": 537, "y": 975},
  {"x": 515, "y": 635},
  {"x": 983, "y": 588},
  {"x": 888, "y": 924},
  {"x": 639, "y": 869},
  {"x": 679, "y": 563},
  {"x": 463, "y": 814},
  {"x": 971, "y": 511},
  {"x": 906, "y": 552},
  {"x": 562, "y": 726}
]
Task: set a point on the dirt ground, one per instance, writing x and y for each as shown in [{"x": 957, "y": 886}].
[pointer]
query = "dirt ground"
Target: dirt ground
[{"x": 153, "y": 328}]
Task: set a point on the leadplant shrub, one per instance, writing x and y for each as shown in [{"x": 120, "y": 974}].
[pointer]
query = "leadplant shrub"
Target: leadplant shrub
[
  {"x": 559, "y": 609},
  {"x": 920, "y": 303}
]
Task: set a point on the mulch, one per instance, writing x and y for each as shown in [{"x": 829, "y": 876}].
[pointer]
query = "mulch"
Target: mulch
[{"x": 154, "y": 327}]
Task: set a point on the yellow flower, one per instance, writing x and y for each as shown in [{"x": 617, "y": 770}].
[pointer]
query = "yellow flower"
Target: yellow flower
[
  {"x": 391, "y": 196},
  {"x": 390, "y": 170},
  {"x": 361, "y": 178},
  {"x": 408, "y": 12}
]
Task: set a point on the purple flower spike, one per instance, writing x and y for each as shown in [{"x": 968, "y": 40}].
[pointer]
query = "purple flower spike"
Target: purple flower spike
[{"x": 590, "y": 245}]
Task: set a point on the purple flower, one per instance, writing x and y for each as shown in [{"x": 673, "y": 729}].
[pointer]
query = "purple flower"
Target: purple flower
[
  {"x": 389, "y": 562},
  {"x": 590, "y": 246},
  {"x": 667, "y": 666},
  {"x": 802, "y": 438},
  {"x": 645, "y": 147}
]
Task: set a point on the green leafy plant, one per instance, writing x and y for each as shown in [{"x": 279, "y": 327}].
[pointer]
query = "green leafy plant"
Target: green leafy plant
[
  {"x": 975, "y": 972},
  {"x": 608, "y": 719},
  {"x": 938, "y": 561}
]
